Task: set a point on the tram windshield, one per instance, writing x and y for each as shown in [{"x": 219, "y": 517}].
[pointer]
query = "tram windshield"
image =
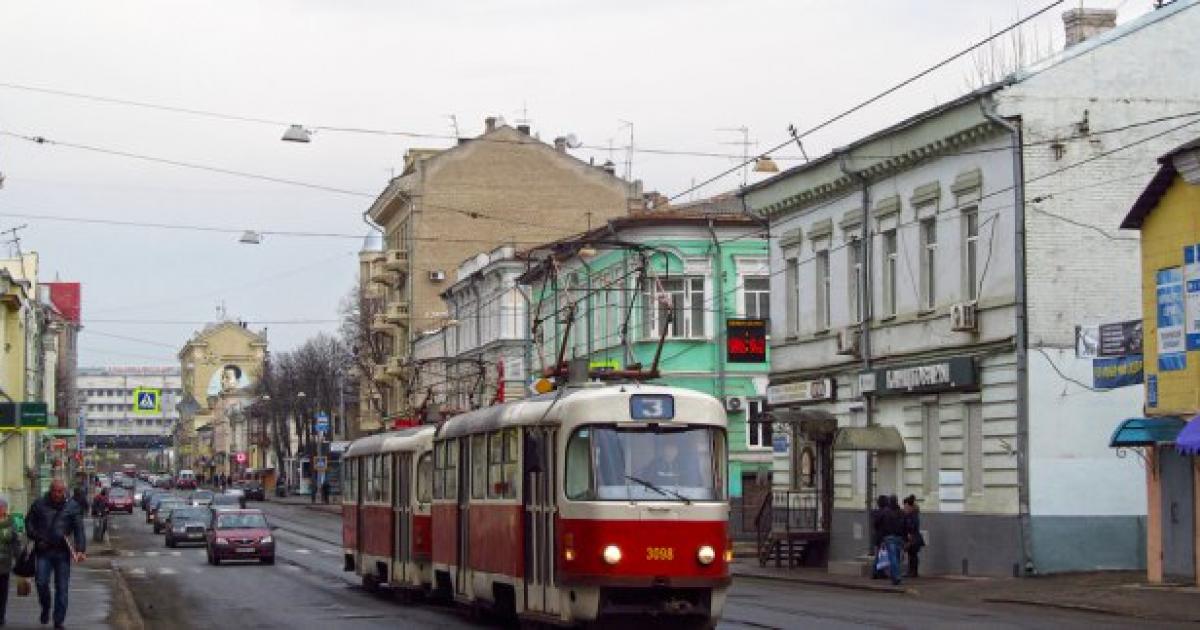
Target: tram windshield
[{"x": 614, "y": 463}]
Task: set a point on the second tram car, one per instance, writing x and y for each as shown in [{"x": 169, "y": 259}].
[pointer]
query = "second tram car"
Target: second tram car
[{"x": 590, "y": 502}]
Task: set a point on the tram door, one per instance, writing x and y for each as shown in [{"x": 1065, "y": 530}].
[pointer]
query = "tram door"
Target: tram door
[
  {"x": 359, "y": 544},
  {"x": 402, "y": 506},
  {"x": 461, "y": 462},
  {"x": 540, "y": 482}
]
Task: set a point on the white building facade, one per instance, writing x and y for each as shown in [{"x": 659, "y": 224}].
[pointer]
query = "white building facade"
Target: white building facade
[
  {"x": 932, "y": 276},
  {"x": 106, "y": 396}
]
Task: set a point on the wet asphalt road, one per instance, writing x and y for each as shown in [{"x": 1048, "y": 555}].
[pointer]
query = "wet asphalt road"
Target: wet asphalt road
[{"x": 306, "y": 588}]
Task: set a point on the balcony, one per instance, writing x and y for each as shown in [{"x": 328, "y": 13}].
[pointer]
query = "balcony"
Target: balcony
[
  {"x": 397, "y": 260},
  {"x": 397, "y": 313},
  {"x": 395, "y": 366},
  {"x": 379, "y": 374},
  {"x": 380, "y": 323},
  {"x": 380, "y": 275}
]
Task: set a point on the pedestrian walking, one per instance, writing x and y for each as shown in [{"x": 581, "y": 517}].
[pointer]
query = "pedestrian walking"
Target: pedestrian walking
[
  {"x": 10, "y": 548},
  {"x": 914, "y": 541},
  {"x": 325, "y": 491},
  {"x": 79, "y": 496},
  {"x": 314, "y": 487},
  {"x": 100, "y": 509},
  {"x": 56, "y": 527},
  {"x": 887, "y": 526}
]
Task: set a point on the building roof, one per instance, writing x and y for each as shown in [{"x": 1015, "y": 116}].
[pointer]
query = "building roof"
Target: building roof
[{"x": 1154, "y": 191}]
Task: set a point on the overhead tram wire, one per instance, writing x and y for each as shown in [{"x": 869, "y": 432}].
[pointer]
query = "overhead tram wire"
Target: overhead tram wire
[{"x": 829, "y": 121}]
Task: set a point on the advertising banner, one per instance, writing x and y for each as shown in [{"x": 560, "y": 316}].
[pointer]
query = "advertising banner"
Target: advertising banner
[
  {"x": 746, "y": 340},
  {"x": 1191, "y": 290},
  {"x": 1113, "y": 372},
  {"x": 1172, "y": 347}
]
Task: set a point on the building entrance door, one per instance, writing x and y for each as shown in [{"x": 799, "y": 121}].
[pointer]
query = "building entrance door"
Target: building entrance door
[{"x": 1178, "y": 519}]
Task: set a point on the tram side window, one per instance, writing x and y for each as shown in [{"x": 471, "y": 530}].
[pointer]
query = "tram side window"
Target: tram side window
[
  {"x": 579, "y": 465},
  {"x": 424, "y": 478},
  {"x": 374, "y": 488},
  {"x": 385, "y": 478},
  {"x": 502, "y": 464},
  {"x": 439, "y": 457},
  {"x": 348, "y": 494},
  {"x": 479, "y": 466},
  {"x": 451, "y": 469}
]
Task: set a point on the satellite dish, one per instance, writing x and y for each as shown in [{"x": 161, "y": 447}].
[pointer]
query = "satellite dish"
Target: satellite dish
[{"x": 573, "y": 141}]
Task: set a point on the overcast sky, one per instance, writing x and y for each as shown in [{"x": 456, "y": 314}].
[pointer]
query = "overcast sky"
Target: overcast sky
[{"x": 680, "y": 70}]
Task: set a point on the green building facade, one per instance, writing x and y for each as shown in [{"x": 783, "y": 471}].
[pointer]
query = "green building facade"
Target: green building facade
[{"x": 589, "y": 300}]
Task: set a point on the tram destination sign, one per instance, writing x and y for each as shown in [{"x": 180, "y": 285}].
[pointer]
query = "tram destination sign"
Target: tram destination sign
[{"x": 946, "y": 375}]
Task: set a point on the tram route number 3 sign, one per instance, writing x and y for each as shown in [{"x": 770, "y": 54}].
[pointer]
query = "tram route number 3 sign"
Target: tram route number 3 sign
[{"x": 746, "y": 340}]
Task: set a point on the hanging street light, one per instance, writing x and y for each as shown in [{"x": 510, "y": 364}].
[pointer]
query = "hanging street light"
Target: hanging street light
[
  {"x": 297, "y": 133},
  {"x": 764, "y": 164}
]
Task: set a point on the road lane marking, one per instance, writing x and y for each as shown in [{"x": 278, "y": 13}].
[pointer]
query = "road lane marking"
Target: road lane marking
[
  {"x": 332, "y": 552},
  {"x": 176, "y": 553},
  {"x": 305, "y": 551},
  {"x": 151, "y": 553},
  {"x": 166, "y": 571}
]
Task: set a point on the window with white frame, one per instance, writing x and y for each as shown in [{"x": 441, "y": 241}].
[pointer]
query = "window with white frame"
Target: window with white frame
[
  {"x": 823, "y": 313},
  {"x": 890, "y": 268},
  {"x": 792, "y": 297},
  {"x": 683, "y": 295},
  {"x": 758, "y": 433},
  {"x": 756, "y": 297},
  {"x": 970, "y": 250},
  {"x": 928, "y": 263},
  {"x": 854, "y": 281}
]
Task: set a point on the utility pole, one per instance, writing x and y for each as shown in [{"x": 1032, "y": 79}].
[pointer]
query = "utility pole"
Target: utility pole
[{"x": 628, "y": 150}]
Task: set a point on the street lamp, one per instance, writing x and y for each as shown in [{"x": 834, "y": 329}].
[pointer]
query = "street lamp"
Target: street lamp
[{"x": 297, "y": 133}]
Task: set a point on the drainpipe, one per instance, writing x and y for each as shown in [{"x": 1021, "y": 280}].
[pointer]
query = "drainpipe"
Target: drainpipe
[
  {"x": 1022, "y": 338},
  {"x": 866, "y": 305},
  {"x": 719, "y": 310}
]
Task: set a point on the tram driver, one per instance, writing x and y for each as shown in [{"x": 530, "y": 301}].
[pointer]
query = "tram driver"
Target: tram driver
[{"x": 666, "y": 469}]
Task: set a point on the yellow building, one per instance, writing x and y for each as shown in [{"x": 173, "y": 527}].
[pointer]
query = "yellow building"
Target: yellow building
[
  {"x": 14, "y": 447},
  {"x": 1168, "y": 215},
  {"x": 219, "y": 367}
]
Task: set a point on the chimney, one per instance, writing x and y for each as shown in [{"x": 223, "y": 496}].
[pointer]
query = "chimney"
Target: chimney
[
  {"x": 560, "y": 144},
  {"x": 1083, "y": 24},
  {"x": 489, "y": 124},
  {"x": 609, "y": 167},
  {"x": 523, "y": 129}
]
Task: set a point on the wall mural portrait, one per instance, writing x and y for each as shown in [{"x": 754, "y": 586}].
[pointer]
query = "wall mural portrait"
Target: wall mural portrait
[{"x": 229, "y": 378}]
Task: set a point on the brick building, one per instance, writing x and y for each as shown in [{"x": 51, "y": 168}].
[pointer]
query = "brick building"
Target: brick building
[{"x": 504, "y": 187}]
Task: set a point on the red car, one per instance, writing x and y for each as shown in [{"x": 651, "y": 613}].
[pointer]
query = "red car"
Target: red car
[
  {"x": 239, "y": 535},
  {"x": 120, "y": 500}
]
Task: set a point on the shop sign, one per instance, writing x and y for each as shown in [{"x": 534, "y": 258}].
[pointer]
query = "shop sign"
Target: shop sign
[
  {"x": 1152, "y": 390},
  {"x": 1191, "y": 289},
  {"x": 1172, "y": 347},
  {"x": 1113, "y": 372},
  {"x": 800, "y": 392},
  {"x": 1121, "y": 338},
  {"x": 954, "y": 374},
  {"x": 746, "y": 340}
]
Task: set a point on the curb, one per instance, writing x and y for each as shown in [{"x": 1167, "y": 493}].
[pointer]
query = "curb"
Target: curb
[
  {"x": 125, "y": 612},
  {"x": 1097, "y": 610},
  {"x": 875, "y": 588}
]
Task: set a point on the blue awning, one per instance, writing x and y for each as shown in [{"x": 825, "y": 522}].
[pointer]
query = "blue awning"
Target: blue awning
[
  {"x": 1146, "y": 431},
  {"x": 1188, "y": 440}
]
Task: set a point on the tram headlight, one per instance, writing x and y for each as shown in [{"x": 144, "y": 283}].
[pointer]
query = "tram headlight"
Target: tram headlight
[
  {"x": 612, "y": 554},
  {"x": 706, "y": 555}
]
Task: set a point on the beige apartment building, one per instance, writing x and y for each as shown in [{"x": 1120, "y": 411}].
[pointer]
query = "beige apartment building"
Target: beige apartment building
[{"x": 505, "y": 187}]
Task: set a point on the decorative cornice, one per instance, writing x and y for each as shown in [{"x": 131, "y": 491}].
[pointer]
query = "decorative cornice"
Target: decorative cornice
[
  {"x": 926, "y": 193},
  {"x": 967, "y": 181},
  {"x": 791, "y": 238},
  {"x": 851, "y": 219},
  {"x": 820, "y": 229},
  {"x": 883, "y": 167},
  {"x": 886, "y": 207}
]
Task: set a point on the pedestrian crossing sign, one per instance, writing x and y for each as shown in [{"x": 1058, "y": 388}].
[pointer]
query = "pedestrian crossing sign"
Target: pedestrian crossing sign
[{"x": 147, "y": 400}]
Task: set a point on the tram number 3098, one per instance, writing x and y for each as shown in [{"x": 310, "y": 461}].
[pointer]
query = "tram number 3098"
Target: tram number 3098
[{"x": 660, "y": 553}]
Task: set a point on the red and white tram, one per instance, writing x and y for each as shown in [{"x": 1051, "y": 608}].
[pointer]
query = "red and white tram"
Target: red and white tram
[
  {"x": 595, "y": 501},
  {"x": 386, "y": 520}
]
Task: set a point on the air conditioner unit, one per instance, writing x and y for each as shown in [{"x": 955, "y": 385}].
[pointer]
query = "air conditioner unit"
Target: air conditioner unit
[
  {"x": 847, "y": 341},
  {"x": 437, "y": 275},
  {"x": 733, "y": 403},
  {"x": 963, "y": 317}
]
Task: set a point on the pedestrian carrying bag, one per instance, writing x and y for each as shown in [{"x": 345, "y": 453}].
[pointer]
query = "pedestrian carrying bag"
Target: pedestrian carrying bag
[
  {"x": 23, "y": 587},
  {"x": 881, "y": 559},
  {"x": 26, "y": 564}
]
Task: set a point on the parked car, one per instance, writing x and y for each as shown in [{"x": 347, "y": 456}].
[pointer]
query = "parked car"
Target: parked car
[
  {"x": 159, "y": 516},
  {"x": 201, "y": 497},
  {"x": 239, "y": 535},
  {"x": 186, "y": 525},
  {"x": 120, "y": 500}
]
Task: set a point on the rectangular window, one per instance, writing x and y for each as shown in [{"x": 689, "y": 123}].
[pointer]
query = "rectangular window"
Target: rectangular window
[
  {"x": 680, "y": 298},
  {"x": 928, "y": 264},
  {"x": 792, "y": 299},
  {"x": 758, "y": 434},
  {"x": 822, "y": 287},
  {"x": 973, "y": 449},
  {"x": 855, "y": 270},
  {"x": 502, "y": 464},
  {"x": 756, "y": 297},
  {"x": 890, "y": 267},
  {"x": 970, "y": 249},
  {"x": 478, "y": 466},
  {"x": 932, "y": 446}
]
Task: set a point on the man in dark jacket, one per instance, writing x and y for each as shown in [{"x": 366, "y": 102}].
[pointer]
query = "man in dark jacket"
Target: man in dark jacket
[{"x": 55, "y": 525}]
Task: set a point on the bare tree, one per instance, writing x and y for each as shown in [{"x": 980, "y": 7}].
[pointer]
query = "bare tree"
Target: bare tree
[
  {"x": 366, "y": 348},
  {"x": 1005, "y": 55}
]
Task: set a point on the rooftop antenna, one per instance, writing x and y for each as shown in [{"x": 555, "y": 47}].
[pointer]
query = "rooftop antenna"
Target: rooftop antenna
[
  {"x": 454, "y": 125},
  {"x": 221, "y": 312},
  {"x": 796, "y": 136},
  {"x": 628, "y": 149},
  {"x": 14, "y": 242},
  {"x": 745, "y": 143},
  {"x": 524, "y": 119}
]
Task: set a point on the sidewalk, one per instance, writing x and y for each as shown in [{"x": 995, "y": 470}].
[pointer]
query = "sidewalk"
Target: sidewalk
[
  {"x": 1122, "y": 593},
  {"x": 334, "y": 506},
  {"x": 94, "y": 601}
]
